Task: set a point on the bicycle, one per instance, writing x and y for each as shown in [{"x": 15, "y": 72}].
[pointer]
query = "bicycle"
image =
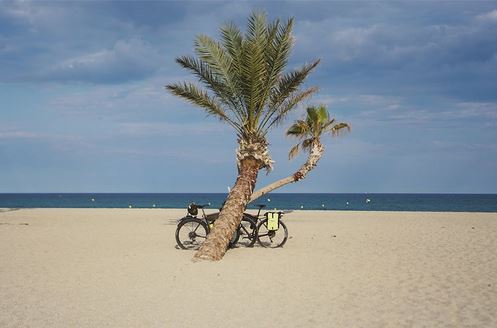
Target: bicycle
[
  {"x": 192, "y": 231},
  {"x": 269, "y": 232}
]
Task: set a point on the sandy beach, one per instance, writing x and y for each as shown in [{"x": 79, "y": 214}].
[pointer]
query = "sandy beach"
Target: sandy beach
[{"x": 120, "y": 268}]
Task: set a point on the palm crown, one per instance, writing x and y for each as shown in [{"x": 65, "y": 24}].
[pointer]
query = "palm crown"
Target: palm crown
[
  {"x": 242, "y": 76},
  {"x": 316, "y": 123}
]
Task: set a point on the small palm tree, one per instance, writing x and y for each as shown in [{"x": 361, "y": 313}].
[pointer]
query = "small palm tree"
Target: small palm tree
[
  {"x": 309, "y": 131},
  {"x": 245, "y": 86}
]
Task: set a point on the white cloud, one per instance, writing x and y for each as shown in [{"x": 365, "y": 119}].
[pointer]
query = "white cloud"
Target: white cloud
[
  {"x": 368, "y": 109},
  {"x": 171, "y": 129},
  {"x": 126, "y": 60},
  {"x": 348, "y": 43},
  {"x": 489, "y": 16},
  {"x": 329, "y": 100},
  {"x": 117, "y": 101},
  {"x": 24, "y": 10},
  {"x": 478, "y": 109},
  {"x": 17, "y": 134}
]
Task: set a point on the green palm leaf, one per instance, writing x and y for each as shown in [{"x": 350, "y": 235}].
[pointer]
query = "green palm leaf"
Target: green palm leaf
[
  {"x": 289, "y": 104},
  {"x": 312, "y": 127},
  {"x": 244, "y": 78},
  {"x": 200, "y": 98},
  {"x": 205, "y": 74},
  {"x": 289, "y": 83}
]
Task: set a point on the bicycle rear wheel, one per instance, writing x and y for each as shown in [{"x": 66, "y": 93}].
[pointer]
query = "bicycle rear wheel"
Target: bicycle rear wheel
[
  {"x": 271, "y": 238},
  {"x": 247, "y": 231},
  {"x": 191, "y": 233}
]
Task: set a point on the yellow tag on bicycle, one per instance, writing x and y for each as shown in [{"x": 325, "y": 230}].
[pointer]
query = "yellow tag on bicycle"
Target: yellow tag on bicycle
[{"x": 273, "y": 221}]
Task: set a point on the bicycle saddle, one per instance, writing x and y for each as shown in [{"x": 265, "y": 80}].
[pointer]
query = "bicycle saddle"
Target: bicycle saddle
[{"x": 261, "y": 205}]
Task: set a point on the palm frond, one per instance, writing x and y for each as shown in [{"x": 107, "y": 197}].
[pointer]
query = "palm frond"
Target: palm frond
[
  {"x": 205, "y": 74},
  {"x": 289, "y": 83},
  {"x": 211, "y": 52},
  {"x": 335, "y": 130},
  {"x": 322, "y": 113},
  {"x": 221, "y": 63},
  {"x": 277, "y": 51},
  {"x": 201, "y": 98},
  {"x": 253, "y": 68},
  {"x": 298, "y": 129},
  {"x": 277, "y": 115},
  {"x": 307, "y": 144},
  {"x": 312, "y": 115},
  {"x": 232, "y": 40},
  {"x": 256, "y": 26},
  {"x": 327, "y": 124},
  {"x": 293, "y": 151}
]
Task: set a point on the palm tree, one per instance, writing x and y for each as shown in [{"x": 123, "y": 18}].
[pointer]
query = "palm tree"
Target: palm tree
[
  {"x": 309, "y": 131},
  {"x": 245, "y": 86}
]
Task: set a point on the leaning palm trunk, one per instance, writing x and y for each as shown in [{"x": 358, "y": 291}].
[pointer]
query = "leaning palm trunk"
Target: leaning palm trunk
[
  {"x": 317, "y": 151},
  {"x": 216, "y": 244},
  {"x": 251, "y": 157}
]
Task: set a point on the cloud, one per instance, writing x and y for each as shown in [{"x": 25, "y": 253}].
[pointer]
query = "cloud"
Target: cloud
[
  {"x": 166, "y": 129},
  {"x": 28, "y": 12},
  {"x": 16, "y": 134},
  {"x": 487, "y": 110},
  {"x": 140, "y": 100},
  {"x": 350, "y": 42},
  {"x": 404, "y": 53},
  {"x": 489, "y": 16},
  {"x": 366, "y": 111},
  {"x": 23, "y": 134},
  {"x": 126, "y": 60}
]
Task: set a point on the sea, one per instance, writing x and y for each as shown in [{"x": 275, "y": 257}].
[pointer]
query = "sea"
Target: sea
[{"x": 283, "y": 201}]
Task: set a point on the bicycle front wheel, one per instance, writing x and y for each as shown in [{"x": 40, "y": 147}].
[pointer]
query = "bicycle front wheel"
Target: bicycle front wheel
[
  {"x": 191, "y": 233},
  {"x": 271, "y": 238}
]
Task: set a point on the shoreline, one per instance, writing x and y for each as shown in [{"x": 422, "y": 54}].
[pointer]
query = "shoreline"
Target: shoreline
[{"x": 4, "y": 209}]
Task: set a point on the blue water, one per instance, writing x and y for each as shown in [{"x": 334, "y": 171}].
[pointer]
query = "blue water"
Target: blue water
[{"x": 356, "y": 202}]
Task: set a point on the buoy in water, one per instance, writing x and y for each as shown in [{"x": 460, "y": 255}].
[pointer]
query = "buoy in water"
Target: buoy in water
[
  {"x": 301, "y": 206},
  {"x": 130, "y": 206},
  {"x": 368, "y": 200},
  {"x": 269, "y": 199},
  {"x": 347, "y": 203},
  {"x": 322, "y": 205},
  {"x": 153, "y": 205},
  {"x": 93, "y": 199}
]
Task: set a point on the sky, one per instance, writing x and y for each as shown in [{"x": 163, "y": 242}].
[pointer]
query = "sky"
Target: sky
[{"x": 83, "y": 106}]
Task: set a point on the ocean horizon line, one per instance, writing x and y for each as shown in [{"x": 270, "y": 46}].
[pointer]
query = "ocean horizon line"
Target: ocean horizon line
[
  {"x": 307, "y": 201},
  {"x": 277, "y": 193}
]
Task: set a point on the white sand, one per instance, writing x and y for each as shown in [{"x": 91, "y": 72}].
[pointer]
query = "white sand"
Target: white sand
[{"x": 120, "y": 268}]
